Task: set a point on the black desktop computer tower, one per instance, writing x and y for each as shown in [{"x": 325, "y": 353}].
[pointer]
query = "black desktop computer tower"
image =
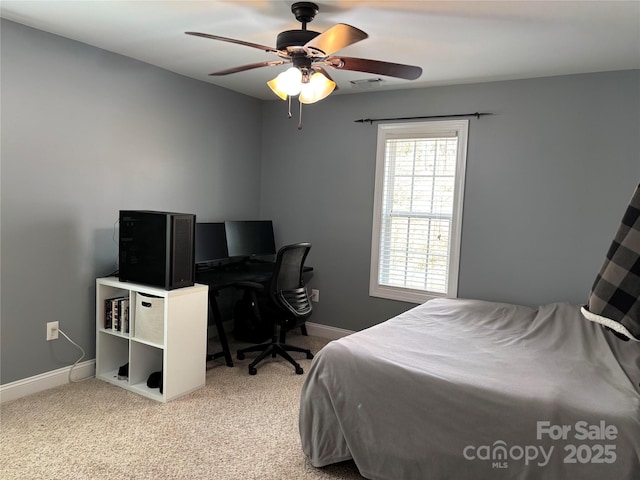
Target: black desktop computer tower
[{"x": 157, "y": 248}]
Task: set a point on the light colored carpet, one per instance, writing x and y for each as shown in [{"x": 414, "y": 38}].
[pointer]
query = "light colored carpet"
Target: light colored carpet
[{"x": 237, "y": 427}]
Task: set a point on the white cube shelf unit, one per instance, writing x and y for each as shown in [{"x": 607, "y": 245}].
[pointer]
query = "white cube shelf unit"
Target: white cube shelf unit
[{"x": 179, "y": 351}]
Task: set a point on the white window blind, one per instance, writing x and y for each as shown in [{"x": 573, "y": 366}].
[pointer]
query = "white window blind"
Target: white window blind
[{"x": 418, "y": 209}]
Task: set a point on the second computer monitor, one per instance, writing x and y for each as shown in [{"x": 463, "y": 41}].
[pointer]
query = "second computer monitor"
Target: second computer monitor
[
  {"x": 211, "y": 243},
  {"x": 248, "y": 238}
]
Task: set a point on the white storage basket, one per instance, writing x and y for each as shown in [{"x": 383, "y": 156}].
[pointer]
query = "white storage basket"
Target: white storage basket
[{"x": 149, "y": 319}]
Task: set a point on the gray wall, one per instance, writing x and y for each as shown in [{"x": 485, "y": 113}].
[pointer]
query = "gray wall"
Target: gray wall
[
  {"x": 548, "y": 179},
  {"x": 86, "y": 133}
]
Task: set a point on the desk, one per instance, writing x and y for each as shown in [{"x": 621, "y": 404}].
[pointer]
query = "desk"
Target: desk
[{"x": 225, "y": 276}]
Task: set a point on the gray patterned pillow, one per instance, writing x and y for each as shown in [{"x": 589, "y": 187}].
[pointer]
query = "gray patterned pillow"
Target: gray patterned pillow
[{"x": 615, "y": 296}]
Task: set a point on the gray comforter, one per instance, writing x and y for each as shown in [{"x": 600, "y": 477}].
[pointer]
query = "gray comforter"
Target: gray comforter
[{"x": 464, "y": 389}]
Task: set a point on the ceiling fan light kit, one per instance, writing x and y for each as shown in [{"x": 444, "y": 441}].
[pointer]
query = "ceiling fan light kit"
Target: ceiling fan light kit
[
  {"x": 317, "y": 88},
  {"x": 309, "y": 88},
  {"x": 287, "y": 83},
  {"x": 309, "y": 53}
]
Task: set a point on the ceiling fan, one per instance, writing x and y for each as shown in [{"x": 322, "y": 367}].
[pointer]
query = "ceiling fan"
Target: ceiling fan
[{"x": 309, "y": 53}]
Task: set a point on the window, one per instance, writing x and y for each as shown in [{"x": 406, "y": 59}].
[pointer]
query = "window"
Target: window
[{"x": 418, "y": 210}]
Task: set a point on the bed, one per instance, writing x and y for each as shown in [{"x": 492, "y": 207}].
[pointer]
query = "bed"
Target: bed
[{"x": 468, "y": 389}]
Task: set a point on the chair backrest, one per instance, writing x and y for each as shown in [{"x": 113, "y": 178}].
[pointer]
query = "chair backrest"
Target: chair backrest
[{"x": 287, "y": 288}]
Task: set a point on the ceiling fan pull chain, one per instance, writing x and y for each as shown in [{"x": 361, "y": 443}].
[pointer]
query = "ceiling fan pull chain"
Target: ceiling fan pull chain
[
  {"x": 300, "y": 118},
  {"x": 289, "y": 107}
]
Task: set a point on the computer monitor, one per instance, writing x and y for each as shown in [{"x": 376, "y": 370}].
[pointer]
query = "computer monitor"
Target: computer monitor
[
  {"x": 211, "y": 243},
  {"x": 250, "y": 238}
]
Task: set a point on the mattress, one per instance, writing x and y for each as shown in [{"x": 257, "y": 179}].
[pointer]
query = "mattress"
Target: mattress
[{"x": 468, "y": 389}]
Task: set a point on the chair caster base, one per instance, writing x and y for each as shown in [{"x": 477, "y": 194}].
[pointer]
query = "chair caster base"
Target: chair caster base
[
  {"x": 240, "y": 356},
  {"x": 299, "y": 371},
  {"x": 309, "y": 356},
  {"x": 253, "y": 370}
]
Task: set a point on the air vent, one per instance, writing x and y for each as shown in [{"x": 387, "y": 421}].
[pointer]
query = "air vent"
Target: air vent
[{"x": 366, "y": 83}]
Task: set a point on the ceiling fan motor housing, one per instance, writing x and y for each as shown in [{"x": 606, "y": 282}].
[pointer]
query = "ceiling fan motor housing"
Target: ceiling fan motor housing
[{"x": 294, "y": 38}]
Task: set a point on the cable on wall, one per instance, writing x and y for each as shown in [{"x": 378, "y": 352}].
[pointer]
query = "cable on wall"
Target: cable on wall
[
  {"x": 372, "y": 120},
  {"x": 77, "y": 361}
]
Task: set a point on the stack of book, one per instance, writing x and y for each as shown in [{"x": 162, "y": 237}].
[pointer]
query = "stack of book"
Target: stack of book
[{"x": 116, "y": 314}]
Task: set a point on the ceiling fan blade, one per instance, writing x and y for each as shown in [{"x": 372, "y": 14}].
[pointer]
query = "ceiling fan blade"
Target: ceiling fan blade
[
  {"x": 251, "y": 66},
  {"x": 264, "y": 48},
  {"x": 398, "y": 70},
  {"x": 333, "y": 39}
]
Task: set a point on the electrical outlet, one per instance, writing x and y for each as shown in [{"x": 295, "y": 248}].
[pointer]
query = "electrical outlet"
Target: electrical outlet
[
  {"x": 52, "y": 331},
  {"x": 315, "y": 295}
]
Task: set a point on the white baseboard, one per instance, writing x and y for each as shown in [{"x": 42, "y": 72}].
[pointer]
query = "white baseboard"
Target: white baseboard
[
  {"x": 325, "y": 331},
  {"x": 45, "y": 381},
  {"x": 55, "y": 378}
]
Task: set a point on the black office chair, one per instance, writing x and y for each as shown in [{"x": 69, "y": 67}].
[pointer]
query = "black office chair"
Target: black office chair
[{"x": 286, "y": 304}]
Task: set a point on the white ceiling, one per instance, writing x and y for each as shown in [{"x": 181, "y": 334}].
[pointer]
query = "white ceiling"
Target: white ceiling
[{"x": 453, "y": 41}]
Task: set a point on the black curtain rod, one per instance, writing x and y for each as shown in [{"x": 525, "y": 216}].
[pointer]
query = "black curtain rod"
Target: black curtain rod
[{"x": 371, "y": 120}]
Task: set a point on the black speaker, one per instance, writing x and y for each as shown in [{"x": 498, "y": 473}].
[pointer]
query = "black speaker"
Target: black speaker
[{"x": 157, "y": 248}]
